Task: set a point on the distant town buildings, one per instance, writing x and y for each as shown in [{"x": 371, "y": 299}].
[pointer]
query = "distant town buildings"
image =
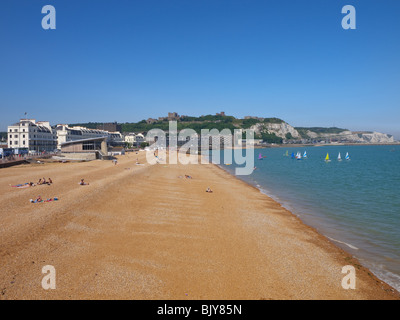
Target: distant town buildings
[
  {"x": 110, "y": 127},
  {"x": 39, "y": 136},
  {"x": 173, "y": 116},
  {"x": 151, "y": 121},
  {"x": 134, "y": 139},
  {"x": 67, "y": 134},
  {"x": 85, "y": 149},
  {"x": 36, "y": 136}
]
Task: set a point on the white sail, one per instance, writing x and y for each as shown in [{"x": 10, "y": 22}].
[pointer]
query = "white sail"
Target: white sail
[
  {"x": 339, "y": 157},
  {"x": 347, "y": 156}
]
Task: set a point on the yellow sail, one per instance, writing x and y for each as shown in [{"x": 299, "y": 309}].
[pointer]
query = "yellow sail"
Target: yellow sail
[{"x": 327, "y": 157}]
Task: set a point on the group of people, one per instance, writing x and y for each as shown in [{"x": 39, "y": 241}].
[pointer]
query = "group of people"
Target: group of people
[
  {"x": 49, "y": 181},
  {"x": 44, "y": 181},
  {"x": 39, "y": 199},
  {"x": 31, "y": 184}
]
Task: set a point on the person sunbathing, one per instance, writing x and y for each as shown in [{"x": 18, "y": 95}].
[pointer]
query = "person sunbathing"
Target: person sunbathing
[
  {"x": 50, "y": 181},
  {"x": 39, "y": 182},
  {"x": 83, "y": 183},
  {"x": 209, "y": 190},
  {"x": 38, "y": 199}
]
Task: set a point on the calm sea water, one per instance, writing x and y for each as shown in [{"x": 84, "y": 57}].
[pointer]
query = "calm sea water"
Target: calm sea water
[{"x": 355, "y": 203}]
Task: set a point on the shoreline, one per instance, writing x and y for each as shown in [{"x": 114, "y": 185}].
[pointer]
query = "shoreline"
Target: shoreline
[
  {"x": 334, "y": 242},
  {"x": 146, "y": 232}
]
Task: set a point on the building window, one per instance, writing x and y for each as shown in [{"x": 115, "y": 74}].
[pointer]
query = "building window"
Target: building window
[
  {"x": 15, "y": 136},
  {"x": 23, "y": 142},
  {"x": 23, "y": 136},
  {"x": 15, "y": 130},
  {"x": 10, "y": 142}
]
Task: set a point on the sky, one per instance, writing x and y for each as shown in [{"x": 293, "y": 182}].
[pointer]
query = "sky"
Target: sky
[{"x": 131, "y": 60}]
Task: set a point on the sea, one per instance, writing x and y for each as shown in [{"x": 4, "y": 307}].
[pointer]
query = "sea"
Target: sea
[{"x": 355, "y": 203}]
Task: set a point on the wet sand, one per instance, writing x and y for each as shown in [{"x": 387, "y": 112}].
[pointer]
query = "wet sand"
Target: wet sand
[{"x": 147, "y": 232}]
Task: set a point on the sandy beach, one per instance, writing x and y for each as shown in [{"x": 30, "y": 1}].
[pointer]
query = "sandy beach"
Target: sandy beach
[{"x": 147, "y": 232}]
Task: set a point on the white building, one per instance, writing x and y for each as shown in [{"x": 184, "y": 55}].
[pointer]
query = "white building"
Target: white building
[
  {"x": 116, "y": 139},
  {"x": 134, "y": 138},
  {"x": 67, "y": 134},
  {"x": 36, "y": 136}
]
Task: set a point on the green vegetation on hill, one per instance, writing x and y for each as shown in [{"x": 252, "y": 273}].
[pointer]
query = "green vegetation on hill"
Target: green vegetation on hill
[
  {"x": 270, "y": 138},
  {"x": 186, "y": 122},
  {"x": 218, "y": 122},
  {"x": 320, "y": 130},
  {"x": 164, "y": 125},
  {"x": 3, "y": 136}
]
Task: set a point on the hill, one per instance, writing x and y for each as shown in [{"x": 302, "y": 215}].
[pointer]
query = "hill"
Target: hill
[{"x": 270, "y": 130}]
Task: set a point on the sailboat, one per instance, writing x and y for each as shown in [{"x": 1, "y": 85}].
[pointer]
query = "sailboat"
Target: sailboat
[
  {"x": 347, "y": 156},
  {"x": 327, "y": 158},
  {"x": 286, "y": 154},
  {"x": 305, "y": 154},
  {"x": 292, "y": 155},
  {"x": 298, "y": 156},
  {"x": 339, "y": 157},
  {"x": 260, "y": 157}
]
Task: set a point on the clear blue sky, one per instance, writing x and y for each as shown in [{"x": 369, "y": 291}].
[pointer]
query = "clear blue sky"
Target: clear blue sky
[{"x": 130, "y": 60}]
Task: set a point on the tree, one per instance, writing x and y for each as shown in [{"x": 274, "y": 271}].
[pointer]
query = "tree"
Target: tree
[
  {"x": 288, "y": 136},
  {"x": 271, "y": 138}
]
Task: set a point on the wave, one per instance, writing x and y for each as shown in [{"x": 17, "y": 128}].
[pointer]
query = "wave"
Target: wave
[{"x": 347, "y": 244}]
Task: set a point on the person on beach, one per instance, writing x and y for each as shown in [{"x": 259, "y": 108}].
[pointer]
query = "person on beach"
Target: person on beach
[
  {"x": 83, "y": 183},
  {"x": 39, "y": 182},
  {"x": 39, "y": 199},
  {"x": 50, "y": 181},
  {"x": 209, "y": 190}
]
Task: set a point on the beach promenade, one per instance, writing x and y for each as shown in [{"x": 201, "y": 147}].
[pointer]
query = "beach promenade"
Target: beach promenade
[{"x": 147, "y": 232}]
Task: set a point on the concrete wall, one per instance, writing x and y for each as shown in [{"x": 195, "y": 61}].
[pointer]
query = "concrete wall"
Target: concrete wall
[{"x": 80, "y": 156}]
